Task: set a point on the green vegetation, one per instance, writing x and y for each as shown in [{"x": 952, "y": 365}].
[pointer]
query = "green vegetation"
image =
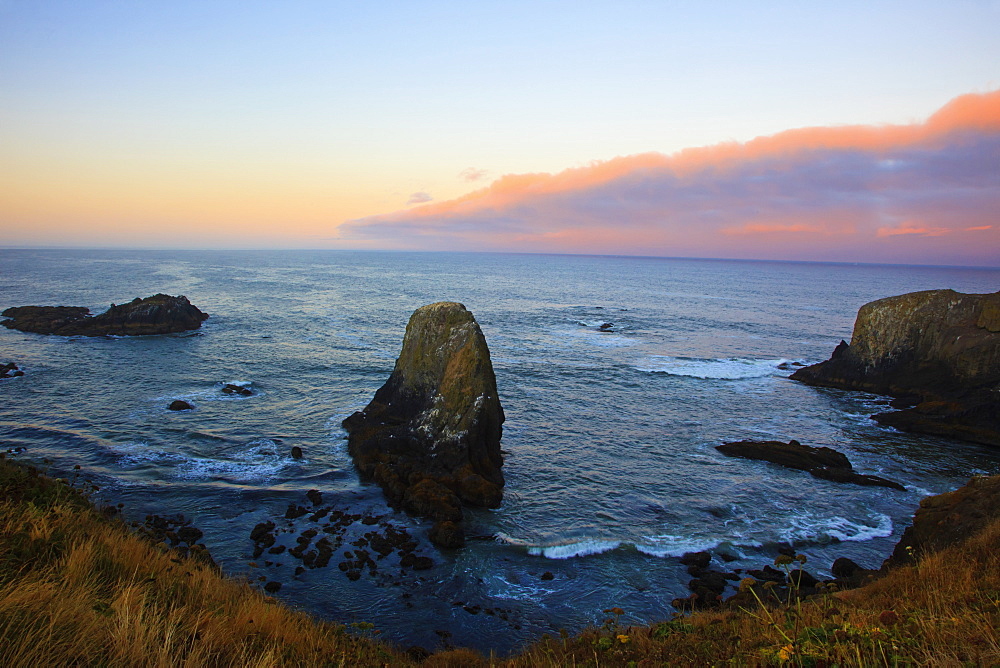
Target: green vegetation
[{"x": 77, "y": 587}]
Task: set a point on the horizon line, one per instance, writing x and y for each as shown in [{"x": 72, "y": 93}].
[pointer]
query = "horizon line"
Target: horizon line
[{"x": 494, "y": 252}]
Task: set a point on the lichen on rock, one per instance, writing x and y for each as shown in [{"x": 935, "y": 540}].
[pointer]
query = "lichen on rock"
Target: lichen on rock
[{"x": 430, "y": 437}]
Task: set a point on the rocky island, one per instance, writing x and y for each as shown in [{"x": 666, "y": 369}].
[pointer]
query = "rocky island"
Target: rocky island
[
  {"x": 822, "y": 462},
  {"x": 936, "y": 351},
  {"x": 431, "y": 435},
  {"x": 159, "y": 314}
]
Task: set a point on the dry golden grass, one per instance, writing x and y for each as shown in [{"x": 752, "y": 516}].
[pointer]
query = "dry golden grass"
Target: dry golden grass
[{"x": 79, "y": 589}]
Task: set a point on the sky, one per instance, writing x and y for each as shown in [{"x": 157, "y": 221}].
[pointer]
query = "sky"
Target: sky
[{"x": 847, "y": 131}]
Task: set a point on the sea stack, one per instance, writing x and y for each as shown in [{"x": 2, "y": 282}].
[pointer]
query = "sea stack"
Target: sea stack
[
  {"x": 431, "y": 435},
  {"x": 159, "y": 314},
  {"x": 937, "y": 351}
]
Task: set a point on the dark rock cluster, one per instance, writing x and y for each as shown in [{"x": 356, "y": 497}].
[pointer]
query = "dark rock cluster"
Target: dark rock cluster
[
  {"x": 941, "y": 521},
  {"x": 936, "y": 351},
  {"x": 431, "y": 435},
  {"x": 159, "y": 314},
  {"x": 178, "y": 533},
  {"x": 10, "y": 370},
  {"x": 784, "y": 582},
  {"x": 821, "y": 462},
  {"x": 361, "y": 543}
]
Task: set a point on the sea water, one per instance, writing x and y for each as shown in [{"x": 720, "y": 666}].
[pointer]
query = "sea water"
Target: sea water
[{"x": 611, "y": 468}]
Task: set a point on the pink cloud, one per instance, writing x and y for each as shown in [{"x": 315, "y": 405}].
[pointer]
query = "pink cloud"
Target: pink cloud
[
  {"x": 850, "y": 193},
  {"x": 472, "y": 174},
  {"x": 908, "y": 228},
  {"x": 419, "y": 198}
]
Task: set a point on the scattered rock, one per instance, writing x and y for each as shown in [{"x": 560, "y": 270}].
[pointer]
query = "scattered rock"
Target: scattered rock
[
  {"x": 422, "y": 563},
  {"x": 159, "y": 314},
  {"x": 936, "y": 350},
  {"x": 10, "y": 370},
  {"x": 315, "y": 497},
  {"x": 697, "y": 559},
  {"x": 547, "y": 575},
  {"x": 822, "y": 462},
  {"x": 849, "y": 575},
  {"x": 272, "y": 587},
  {"x": 296, "y": 452},
  {"x": 431, "y": 435},
  {"x": 241, "y": 390},
  {"x": 179, "y": 405},
  {"x": 447, "y": 534},
  {"x": 767, "y": 574}
]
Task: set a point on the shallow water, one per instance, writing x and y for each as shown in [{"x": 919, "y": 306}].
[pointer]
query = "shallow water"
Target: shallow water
[{"x": 611, "y": 470}]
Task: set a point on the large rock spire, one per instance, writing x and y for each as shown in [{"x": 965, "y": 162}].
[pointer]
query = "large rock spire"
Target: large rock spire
[{"x": 431, "y": 435}]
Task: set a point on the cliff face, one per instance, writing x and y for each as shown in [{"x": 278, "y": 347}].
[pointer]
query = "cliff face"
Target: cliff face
[
  {"x": 431, "y": 435},
  {"x": 938, "y": 348},
  {"x": 159, "y": 314}
]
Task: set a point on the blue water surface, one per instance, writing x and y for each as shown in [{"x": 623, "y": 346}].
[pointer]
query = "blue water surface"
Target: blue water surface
[{"x": 610, "y": 461}]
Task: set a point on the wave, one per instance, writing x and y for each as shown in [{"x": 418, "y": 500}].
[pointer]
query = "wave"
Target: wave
[
  {"x": 255, "y": 462},
  {"x": 731, "y": 368},
  {"x": 833, "y": 529},
  {"x": 655, "y": 546}
]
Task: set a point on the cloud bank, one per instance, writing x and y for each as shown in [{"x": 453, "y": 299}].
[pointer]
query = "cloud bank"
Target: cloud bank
[{"x": 924, "y": 193}]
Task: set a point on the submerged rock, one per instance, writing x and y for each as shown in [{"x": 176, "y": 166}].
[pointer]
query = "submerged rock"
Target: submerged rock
[
  {"x": 821, "y": 462},
  {"x": 241, "y": 390},
  {"x": 431, "y": 435},
  {"x": 10, "y": 370},
  {"x": 179, "y": 405},
  {"x": 159, "y": 314},
  {"x": 937, "y": 351}
]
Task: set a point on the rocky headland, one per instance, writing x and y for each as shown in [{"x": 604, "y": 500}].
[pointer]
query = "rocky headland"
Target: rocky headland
[
  {"x": 159, "y": 314},
  {"x": 821, "y": 462},
  {"x": 430, "y": 437},
  {"x": 936, "y": 351}
]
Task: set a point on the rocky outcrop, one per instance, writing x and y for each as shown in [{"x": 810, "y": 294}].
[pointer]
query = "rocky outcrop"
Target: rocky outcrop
[
  {"x": 822, "y": 462},
  {"x": 431, "y": 435},
  {"x": 937, "y": 350},
  {"x": 159, "y": 314},
  {"x": 948, "y": 519}
]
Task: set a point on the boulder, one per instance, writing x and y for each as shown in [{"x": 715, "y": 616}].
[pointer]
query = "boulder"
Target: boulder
[
  {"x": 447, "y": 534},
  {"x": 179, "y": 405},
  {"x": 430, "y": 437},
  {"x": 10, "y": 370},
  {"x": 159, "y": 314},
  {"x": 821, "y": 462},
  {"x": 947, "y": 519},
  {"x": 937, "y": 351}
]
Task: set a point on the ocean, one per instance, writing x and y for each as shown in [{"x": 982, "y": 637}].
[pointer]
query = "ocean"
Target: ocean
[{"x": 609, "y": 441}]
